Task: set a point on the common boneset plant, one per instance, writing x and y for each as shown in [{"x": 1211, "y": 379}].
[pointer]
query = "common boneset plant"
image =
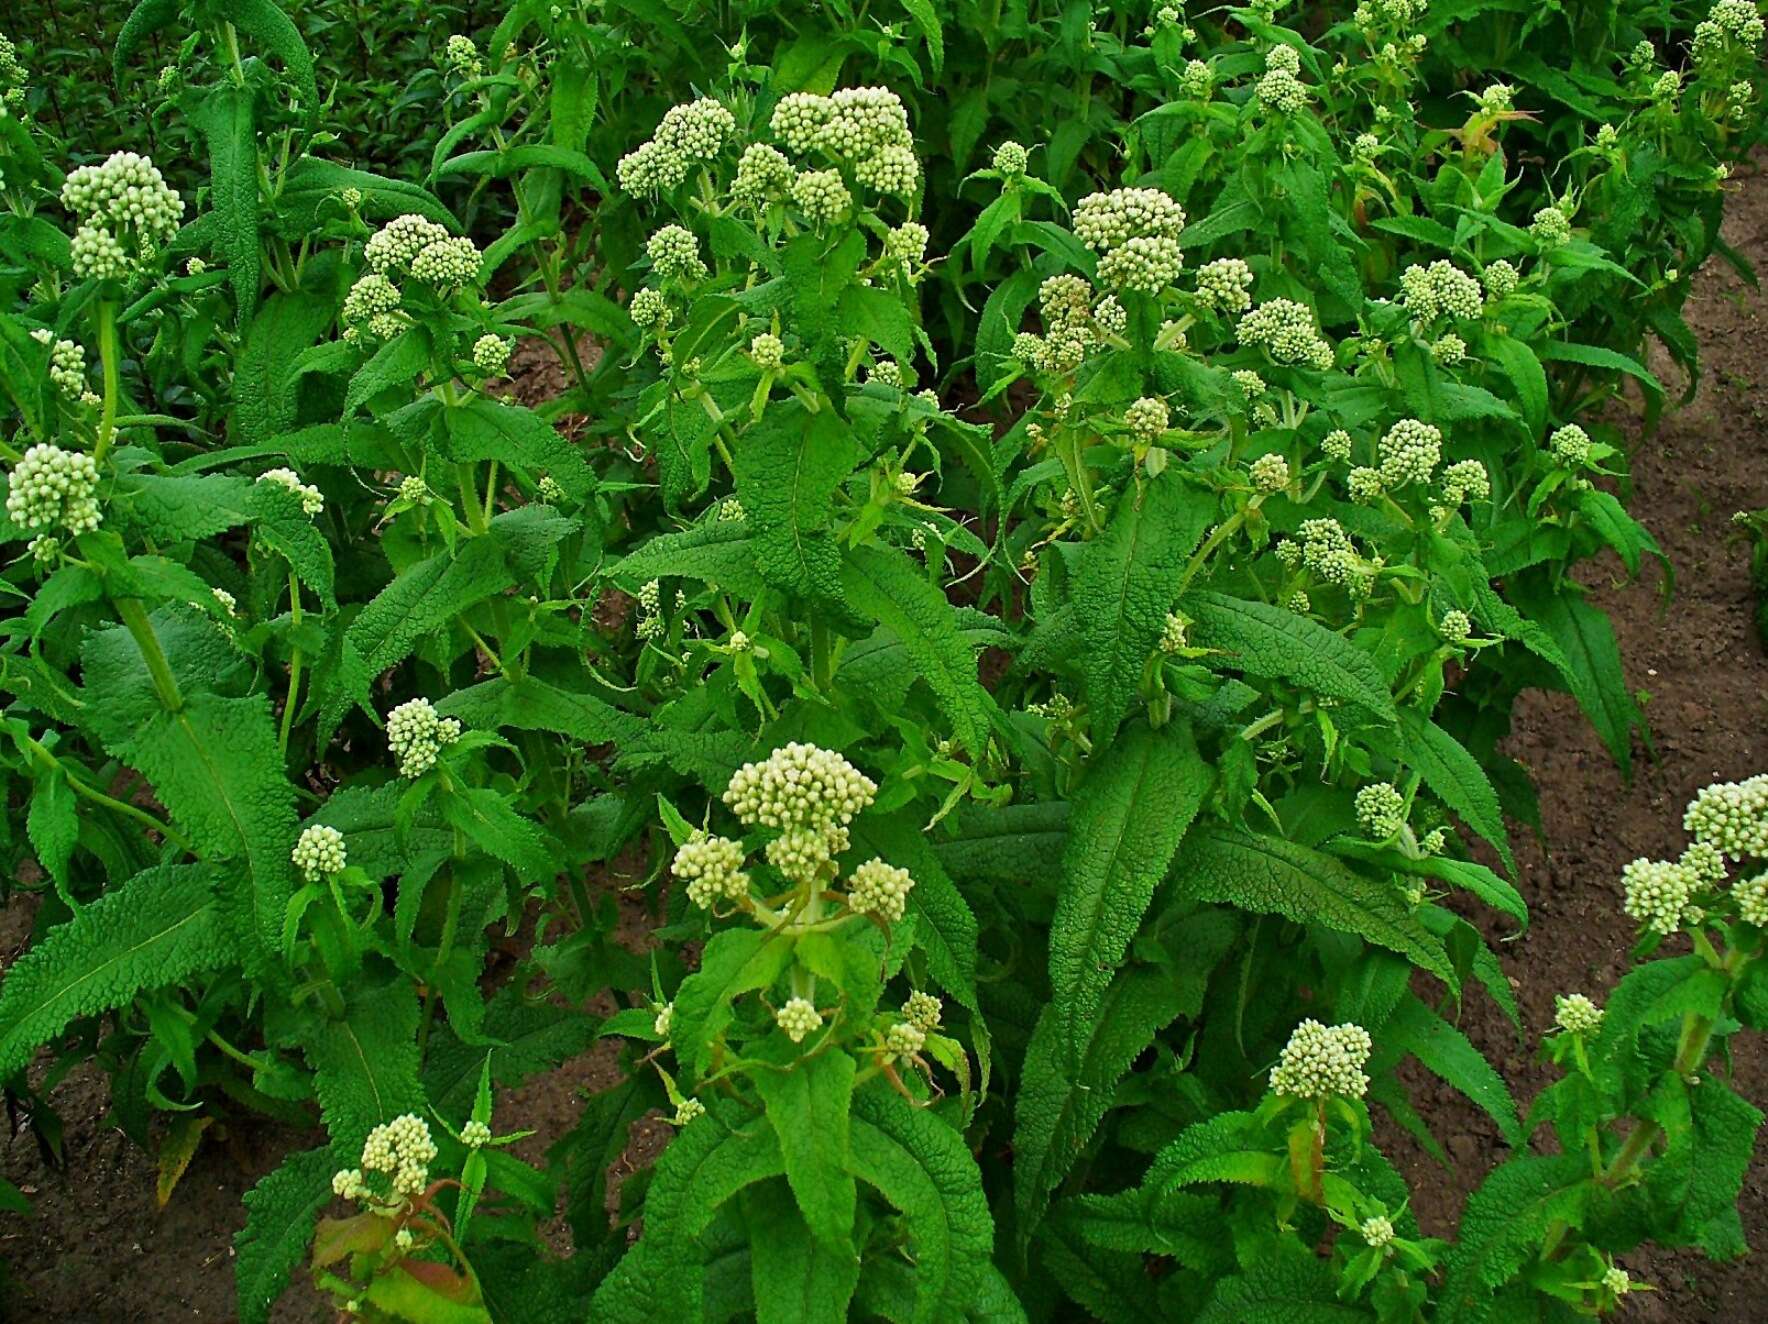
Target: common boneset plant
[{"x": 1079, "y": 991}]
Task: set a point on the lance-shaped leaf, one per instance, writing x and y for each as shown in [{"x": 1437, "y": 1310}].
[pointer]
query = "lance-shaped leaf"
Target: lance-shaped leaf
[
  {"x": 365, "y": 1066},
  {"x": 735, "y": 962},
  {"x": 887, "y": 587},
  {"x": 924, "y": 1169},
  {"x": 1127, "y": 583},
  {"x": 808, "y": 1107},
  {"x": 788, "y": 468},
  {"x": 1502, "y": 1226},
  {"x": 1272, "y": 876},
  {"x": 281, "y": 1211},
  {"x": 797, "y": 1279},
  {"x": 1457, "y": 778},
  {"x": 1273, "y": 643},
  {"x": 1128, "y": 818},
  {"x": 226, "y": 120},
  {"x": 160, "y": 927}
]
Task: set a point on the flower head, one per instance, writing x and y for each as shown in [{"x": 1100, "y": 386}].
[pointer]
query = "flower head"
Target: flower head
[
  {"x": 54, "y": 488},
  {"x": 416, "y": 735},
  {"x": 319, "y": 852},
  {"x": 1576, "y": 1014},
  {"x": 798, "y": 1018},
  {"x": 126, "y": 211},
  {"x": 712, "y": 867},
  {"x": 1381, "y": 810},
  {"x": 311, "y": 499},
  {"x": 877, "y": 888},
  {"x": 1320, "y": 1061}
]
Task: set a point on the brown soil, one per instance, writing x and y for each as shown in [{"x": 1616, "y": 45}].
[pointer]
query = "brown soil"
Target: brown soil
[
  {"x": 1701, "y": 674},
  {"x": 96, "y": 1248}
]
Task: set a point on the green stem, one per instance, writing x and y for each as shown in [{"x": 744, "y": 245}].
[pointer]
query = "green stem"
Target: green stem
[
  {"x": 288, "y": 705},
  {"x": 158, "y": 669},
  {"x": 98, "y": 797},
  {"x": 107, "y": 352}
]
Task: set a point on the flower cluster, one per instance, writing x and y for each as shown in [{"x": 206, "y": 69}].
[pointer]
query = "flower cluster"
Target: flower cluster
[
  {"x": 373, "y": 307},
  {"x": 1321, "y": 1061},
  {"x": 809, "y": 795},
  {"x": 1440, "y": 289},
  {"x": 417, "y": 246},
  {"x": 1286, "y": 331},
  {"x": 53, "y": 488},
  {"x": 319, "y": 852},
  {"x": 1731, "y": 25},
  {"x": 1280, "y": 90},
  {"x": 1570, "y": 445},
  {"x": 1658, "y": 893},
  {"x": 416, "y": 735},
  {"x": 1270, "y": 472},
  {"x": 462, "y": 56},
  {"x": 690, "y": 133},
  {"x": 1551, "y": 227},
  {"x": 1147, "y": 417},
  {"x": 1732, "y": 817},
  {"x": 311, "y": 498},
  {"x": 1376, "y": 1231},
  {"x": 674, "y": 252},
  {"x": 877, "y": 888},
  {"x": 1751, "y": 896},
  {"x": 923, "y": 1009},
  {"x": 821, "y": 195},
  {"x": 1011, "y": 158},
  {"x": 798, "y": 1018},
  {"x": 403, "y": 1148},
  {"x": 903, "y": 1040},
  {"x": 866, "y": 128},
  {"x": 1410, "y": 452},
  {"x": 491, "y": 354},
  {"x": 1500, "y": 279},
  {"x": 1225, "y": 285},
  {"x": 1576, "y": 1014},
  {"x": 1381, "y": 810},
  {"x": 712, "y": 867},
  {"x": 1466, "y": 480},
  {"x": 126, "y": 211},
  {"x": 1455, "y": 627},
  {"x": 1137, "y": 232},
  {"x": 67, "y": 363}
]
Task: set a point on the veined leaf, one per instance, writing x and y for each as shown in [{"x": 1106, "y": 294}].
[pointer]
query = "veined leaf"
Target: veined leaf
[
  {"x": 1276, "y": 644},
  {"x": 808, "y": 1108},
  {"x": 735, "y": 961},
  {"x": 227, "y": 121},
  {"x": 1128, "y": 818},
  {"x": 281, "y": 1211},
  {"x": 788, "y": 468},
  {"x": 429, "y": 596},
  {"x": 1271, "y": 876},
  {"x": 1414, "y": 1028},
  {"x": 1288, "y": 1288},
  {"x": 265, "y": 20},
  {"x": 365, "y": 1066},
  {"x": 1502, "y": 1225},
  {"x": 1457, "y": 778},
  {"x": 888, "y": 588},
  {"x": 923, "y": 1168},
  {"x": 798, "y": 1280},
  {"x": 1127, "y": 582},
  {"x": 485, "y": 429},
  {"x": 159, "y": 928}
]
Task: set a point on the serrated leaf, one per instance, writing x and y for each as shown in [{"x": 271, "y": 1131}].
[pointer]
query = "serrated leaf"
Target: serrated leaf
[
  {"x": 808, "y": 1107},
  {"x": 227, "y": 122},
  {"x": 923, "y": 1168},
  {"x": 887, "y": 587},
  {"x": 1127, "y": 582},
  {"x": 427, "y": 597},
  {"x": 797, "y": 1279},
  {"x": 1502, "y": 1225},
  {"x": 1414, "y": 1028},
  {"x": 281, "y": 1211},
  {"x": 734, "y": 962},
  {"x": 1290, "y": 1288},
  {"x": 159, "y": 928},
  {"x": 485, "y": 429},
  {"x": 1270, "y": 876},
  {"x": 1128, "y": 818},
  {"x": 1457, "y": 779},
  {"x": 788, "y": 468},
  {"x": 1276, "y": 644},
  {"x": 365, "y": 1066}
]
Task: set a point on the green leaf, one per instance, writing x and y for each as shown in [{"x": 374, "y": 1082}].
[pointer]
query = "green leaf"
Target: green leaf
[
  {"x": 1275, "y": 644},
  {"x": 485, "y": 429},
  {"x": 1592, "y": 661},
  {"x": 395, "y": 363},
  {"x": 1271, "y": 876},
  {"x": 288, "y": 530},
  {"x": 1414, "y": 1028},
  {"x": 1111, "y": 1286},
  {"x": 1287, "y": 1288},
  {"x": 734, "y": 962},
  {"x": 147, "y": 18},
  {"x": 715, "y": 1157},
  {"x": 927, "y": 19},
  {"x": 890, "y": 589},
  {"x": 1128, "y": 818},
  {"x": 426, "y": 598},
  {"x": 264, "y": 20},
  {"x": 311, "y": 185},
  {"x": 1693, "y": 1188},
  {"x": 1523, "y": 370},
  {"x": 264, "y": 380},
  {"x": 214, "y": 763},
  {"x": 797, "y": 1279},
  {"x": 923, "y": 1168},
  {"x": 365, "y": 1066},
  {"x": 788, "y": 469},
  {"x": 1126, "y": 584},
  {"x": 227, "y": 122},
  {"x": 492, "y": 824},
  {"x": 1457, "y": 779},
  {"x": 281, "y": 1212},
  {"x": 808, "y": 1106},
  {"x": 1060, "y": 1104},
  {"x": 720, "y": 554},
  {"x": 1502, "y": 1227},
  {"x": 159, "y": 928}
]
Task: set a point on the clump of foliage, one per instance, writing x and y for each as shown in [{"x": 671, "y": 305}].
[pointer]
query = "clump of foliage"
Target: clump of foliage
[{"x": 1035, "y": 634}]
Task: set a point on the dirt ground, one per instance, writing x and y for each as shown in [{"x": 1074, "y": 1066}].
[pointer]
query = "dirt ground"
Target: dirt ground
[
  {"x": 96, "y": 1249},
  {"x": 1702, "y": 676}
]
